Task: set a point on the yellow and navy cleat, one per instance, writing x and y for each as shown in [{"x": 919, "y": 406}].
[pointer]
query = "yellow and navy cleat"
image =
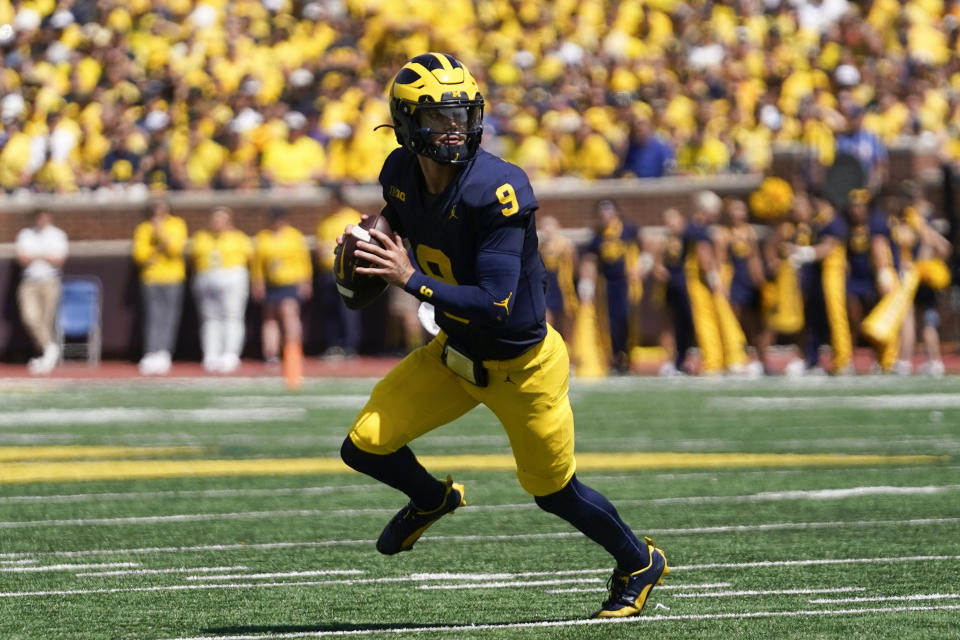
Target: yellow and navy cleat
[
  {"x": 405, "y": 528},
  {"x": 629, "y": 591}
]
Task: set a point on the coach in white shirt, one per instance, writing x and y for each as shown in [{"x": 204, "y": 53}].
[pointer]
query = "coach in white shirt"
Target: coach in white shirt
[{"x": 41, "y": 250}]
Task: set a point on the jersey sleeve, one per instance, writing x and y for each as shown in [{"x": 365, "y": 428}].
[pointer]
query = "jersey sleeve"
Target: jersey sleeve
[{"x": 501, "y": 205}]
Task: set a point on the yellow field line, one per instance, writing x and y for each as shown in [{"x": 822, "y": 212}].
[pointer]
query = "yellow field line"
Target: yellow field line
[
  {"x": 76, "y": 452},
  {"x": 86, "y": 470}
]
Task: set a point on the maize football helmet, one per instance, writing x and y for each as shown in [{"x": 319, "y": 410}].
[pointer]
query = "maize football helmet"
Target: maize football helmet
[{"x": 437, "y": 109}]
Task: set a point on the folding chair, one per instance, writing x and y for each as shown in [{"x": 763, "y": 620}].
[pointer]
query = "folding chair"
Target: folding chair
[{"x": 78, "y": 320}]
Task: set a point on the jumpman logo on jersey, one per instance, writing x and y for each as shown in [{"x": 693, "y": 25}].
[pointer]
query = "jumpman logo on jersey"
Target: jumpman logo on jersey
[{"x": 505, "y": 303}]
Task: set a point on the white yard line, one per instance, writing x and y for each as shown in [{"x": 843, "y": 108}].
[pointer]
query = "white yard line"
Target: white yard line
[
  {"x": 907, "y": 598},
  {"x": 346, "y": 401},
  {"x": 763, "y": 564},
  {"x": 307, "y": 513},
  {"x": 286, "y": 574},
  {"x": 709, "y": 475},
  {"x": 771, "y": 592},
  {"x": 640, "y": 620},
  {"x": 202, "y": 493},
  {"x": 150, "y": 572},
  {"x": 908, "y": 401},
  {"x": 667, "y": 587},
  {"x": 270, "y": 546},
  {"x": 66, "y": 567},
  {"x": 507, "y": 584},
  {"x": 767, "y": 496},
  {"x": 128, "y": 415},
  {"x": 813, "y": 494}
]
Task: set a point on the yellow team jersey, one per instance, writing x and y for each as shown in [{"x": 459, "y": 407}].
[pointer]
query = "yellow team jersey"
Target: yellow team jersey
[
  {"x": 231, "y": 248},
  {"x": 161, "y": 265},
  {"x": 328, "y": 230},
  {"x": 281, "y": 258}
]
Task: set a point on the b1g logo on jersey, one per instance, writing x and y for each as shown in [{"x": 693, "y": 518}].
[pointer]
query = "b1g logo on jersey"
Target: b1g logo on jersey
[{"x": 396, "y": 193}]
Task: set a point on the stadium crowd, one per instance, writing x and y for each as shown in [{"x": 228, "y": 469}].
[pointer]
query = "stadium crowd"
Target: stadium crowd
[
  {"x": 252, "y": 94},
  {"x": 184, "y": 94}
]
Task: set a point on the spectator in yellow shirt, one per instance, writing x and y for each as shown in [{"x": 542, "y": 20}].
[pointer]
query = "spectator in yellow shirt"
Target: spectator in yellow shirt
[
  {"x": 295, "y": 159},
  {"x": 702, "y": 155},
  {"x": 341, "y": 326},
  {"x": 221, "y": 286},
  {"x": 280, "y": 278},
  {"x": 158, "y": 245}
]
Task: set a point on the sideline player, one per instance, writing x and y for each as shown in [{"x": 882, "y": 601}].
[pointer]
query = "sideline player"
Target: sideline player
[{"x": 469, "y": 218}]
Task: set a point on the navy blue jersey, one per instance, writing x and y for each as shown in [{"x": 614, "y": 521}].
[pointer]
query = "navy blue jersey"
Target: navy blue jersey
[
  {"x": 611, "y": 246},
  {"x": 694, "y": 234},
  {"x": 475, "y": 247},
  {"x": 828, "y": 223},
  {"x": 743, "y": 239},
  {"x": 674, "y": 254},
  {"x": 859, "y": 255}
]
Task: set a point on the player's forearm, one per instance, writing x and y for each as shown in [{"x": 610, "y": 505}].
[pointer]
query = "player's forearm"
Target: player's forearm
[{"x": 490, "y": 300}]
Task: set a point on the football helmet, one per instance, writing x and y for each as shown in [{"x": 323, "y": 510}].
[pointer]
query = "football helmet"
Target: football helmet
[{"x": 437, "y": 108}]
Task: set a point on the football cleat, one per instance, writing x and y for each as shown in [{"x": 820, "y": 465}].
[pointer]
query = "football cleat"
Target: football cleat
[
  {"x": 405, "y": 528},
  {"x": 629, "y": 591}
]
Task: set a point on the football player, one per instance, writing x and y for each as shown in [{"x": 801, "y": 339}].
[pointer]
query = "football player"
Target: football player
[
  {"x": 821, "y": 253},
  {"x": 670, "y": 272},
  {"x": 615, "y": 251},
  {"x": 870, "y": 269},
  {"x": 469, "y": 219},
  {"x": 559, "y": 257}
]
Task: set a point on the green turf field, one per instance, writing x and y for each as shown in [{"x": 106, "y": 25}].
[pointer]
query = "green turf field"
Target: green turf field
[{"x": 105, "y": 534}]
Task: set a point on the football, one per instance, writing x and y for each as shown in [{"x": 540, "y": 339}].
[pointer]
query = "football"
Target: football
[{"x": 358, "y": 290}]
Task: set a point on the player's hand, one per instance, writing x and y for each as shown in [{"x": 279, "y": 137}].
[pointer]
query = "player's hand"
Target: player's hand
[
  {"x": 390, "y": 261},
  {"x": 348, "y": 228}
]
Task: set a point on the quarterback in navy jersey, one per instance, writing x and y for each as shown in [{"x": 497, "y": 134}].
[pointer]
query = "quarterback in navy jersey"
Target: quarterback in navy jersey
[
  {"x": 469, "y": 219},
  {"x": 475, "y": 245}
]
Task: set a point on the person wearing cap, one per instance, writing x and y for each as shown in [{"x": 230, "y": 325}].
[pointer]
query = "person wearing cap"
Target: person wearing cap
[
  {"x": 280, "y": 279},
  {"x": 158, "y": 247}
]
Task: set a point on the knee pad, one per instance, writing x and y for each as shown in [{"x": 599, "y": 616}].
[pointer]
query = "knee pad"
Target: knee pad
[{"x": 931, "y": 318}]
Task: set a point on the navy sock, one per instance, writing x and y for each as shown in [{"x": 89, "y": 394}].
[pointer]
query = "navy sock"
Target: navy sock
[
  {"x": 400, "y": 470},
  {"x": 593, "y": 515}
]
